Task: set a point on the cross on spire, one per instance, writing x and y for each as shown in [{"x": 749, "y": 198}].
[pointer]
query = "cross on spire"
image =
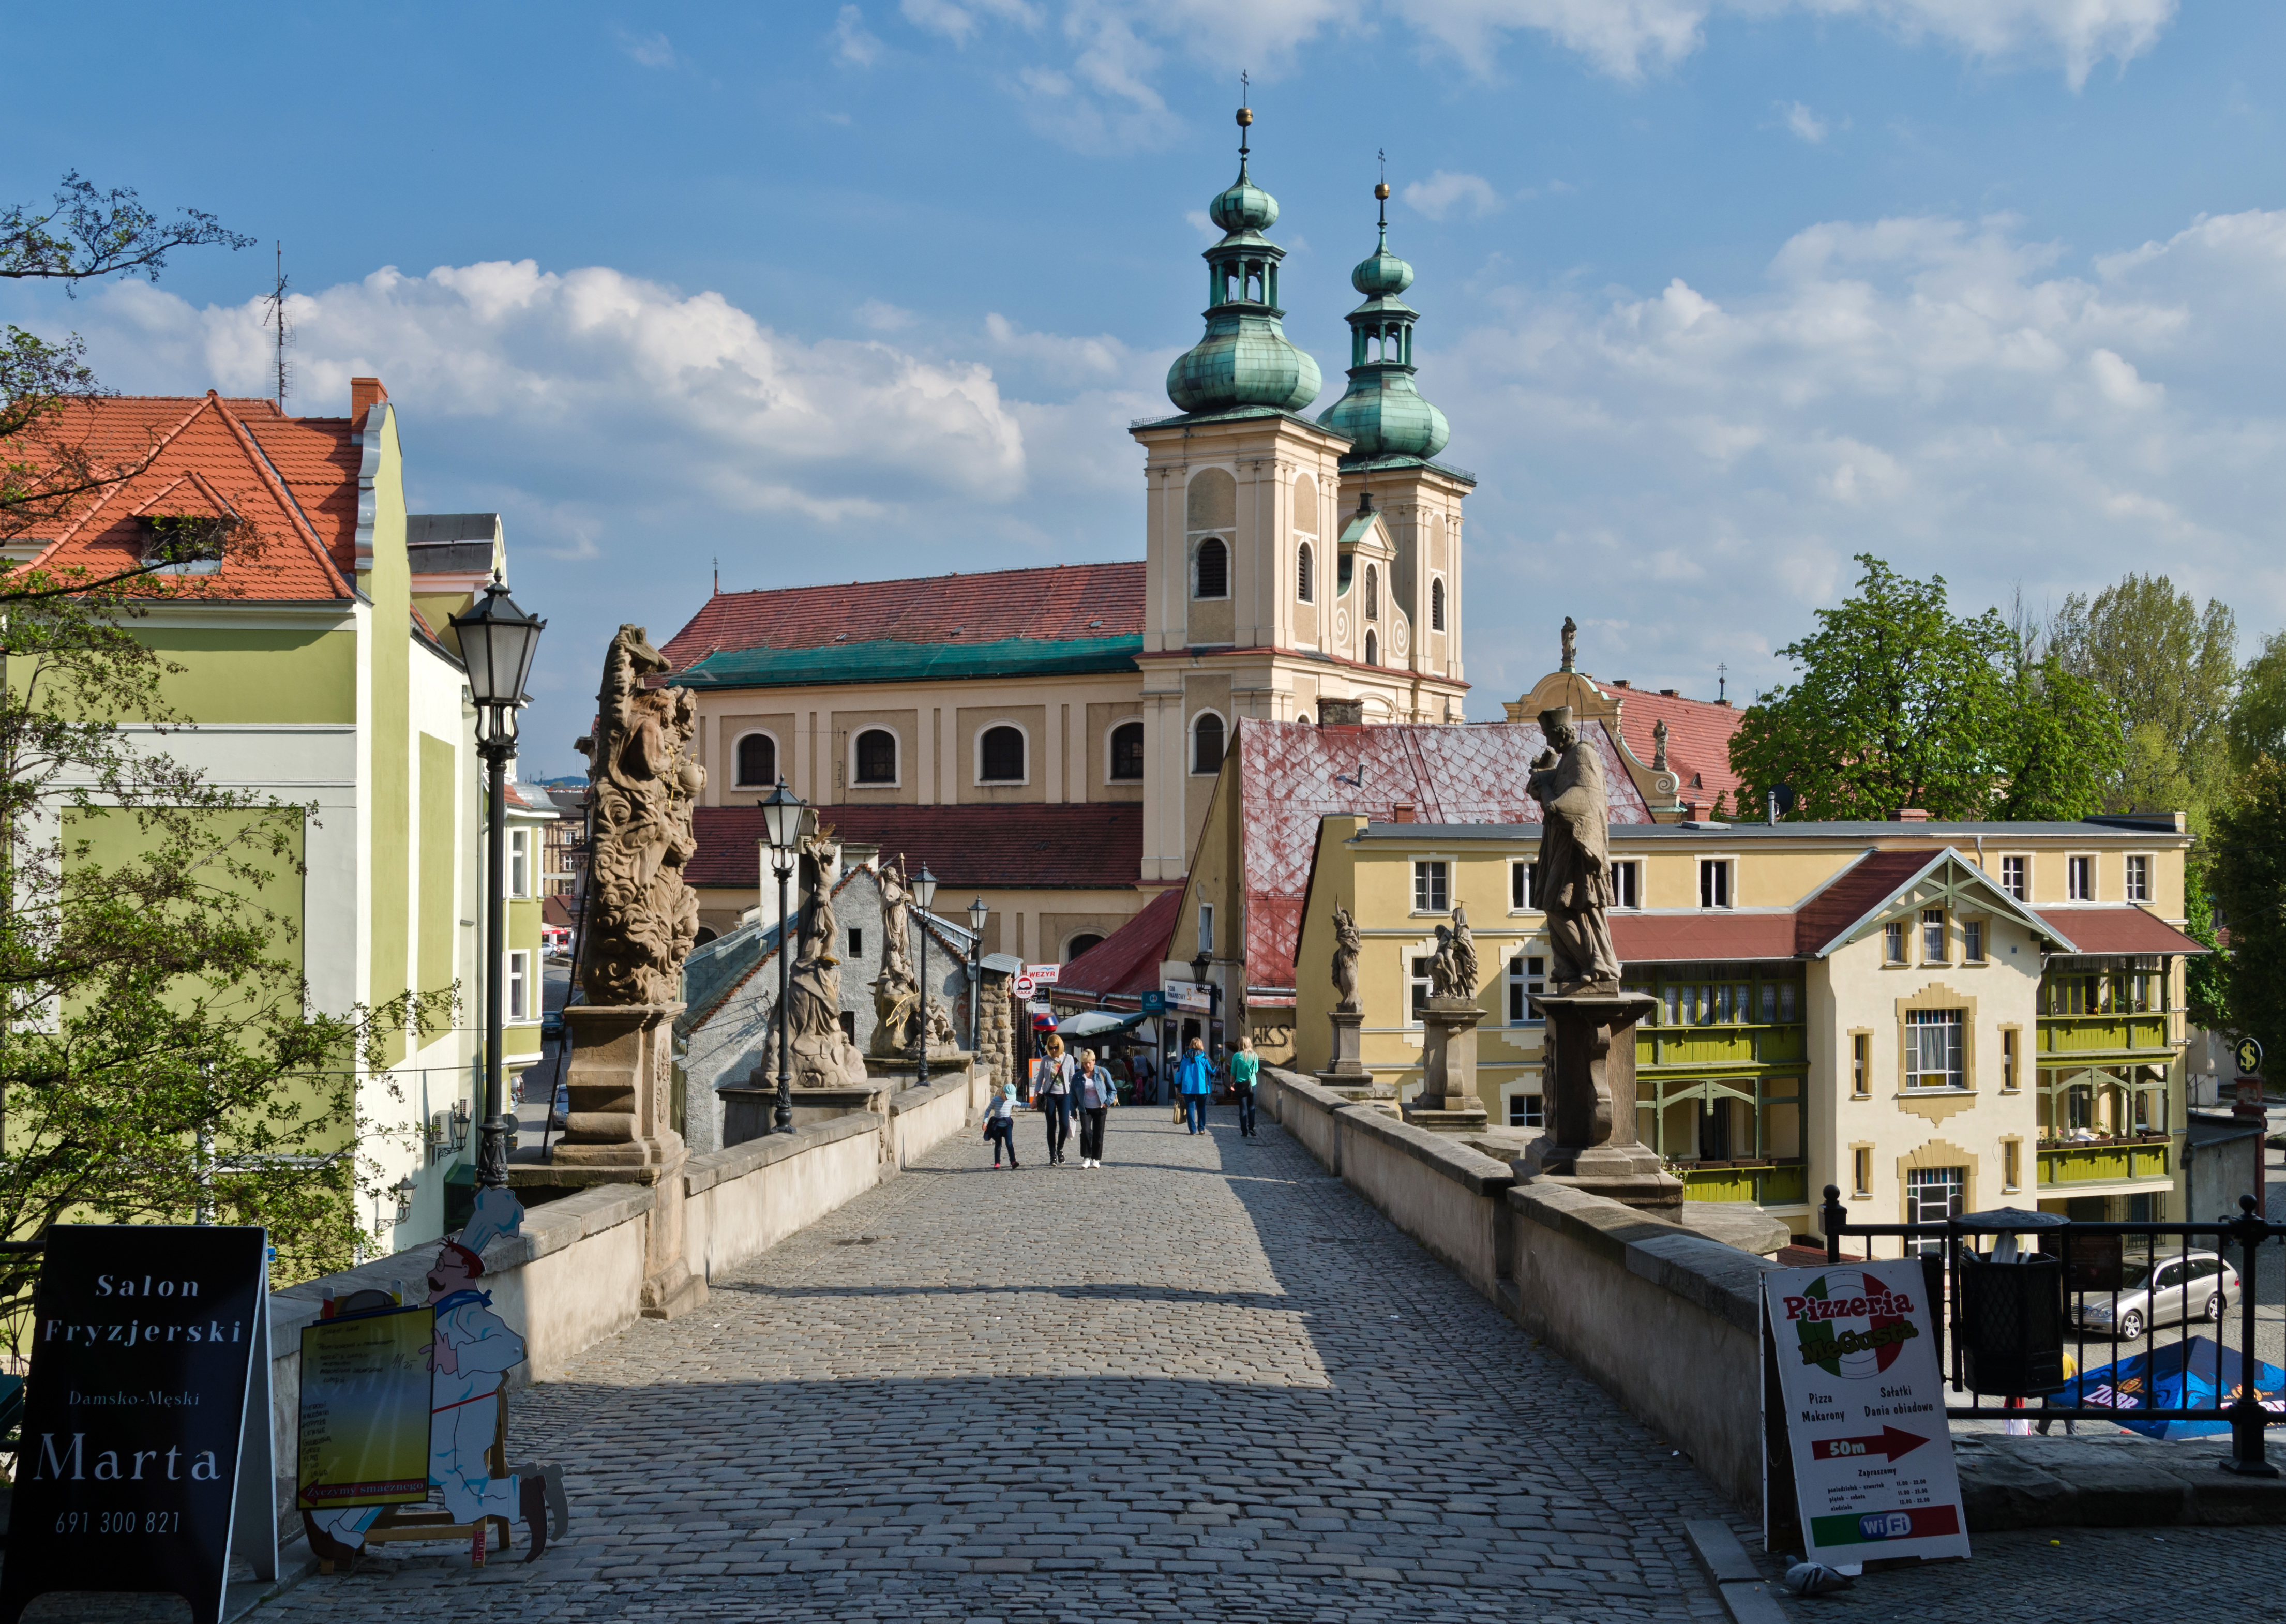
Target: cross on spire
[{"x": 1245, "y": 114}]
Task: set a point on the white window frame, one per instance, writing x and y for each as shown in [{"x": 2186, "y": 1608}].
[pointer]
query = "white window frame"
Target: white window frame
[
  {"x": 1730, "y": 867},
  {"x": 1953, "y": 1063},
  {"x": 976, "y": 754},
  {"x": 777, "y": 755},
  {"x": 858, "y": 732},
  {"x": 1229, "y": 566},
  {"x": 1418, "y": 984},
  {"x": 519, "y": 863},
  {"x": 1893, "y": 943},
  {"x": 1519, "y": 874},
  {"x": 1436, "y": 871},
  {"x": 1532, "y": 1115},
  {"x": 1191, "y": 744},
  {"x": 1632, "y": 868},
  {"x": 515, "y": 991},
  {"x": 2073, "y": 891},
  {"x": 1943, "y": 929},
  {"x": 1975, "y": 941},
  {"x": 1522, "y": 982},
  {"x": 1206, "y": 928},
  {"x": 2025, "y": 859},
  {"x": 1110, "y": 754},
  {"x": 2138, "y": 888}
]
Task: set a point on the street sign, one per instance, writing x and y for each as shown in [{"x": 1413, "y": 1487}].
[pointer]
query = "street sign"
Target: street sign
[
  {"x": 145, "y": 1461},
  {"x": 2250, "y": 1056},
  {"x": 1857, "y": 1369},
  {"x": 1155, "y": 1002},
  {"x": 1023, "y": 985},
  {"x": 1044, "y": 975}
]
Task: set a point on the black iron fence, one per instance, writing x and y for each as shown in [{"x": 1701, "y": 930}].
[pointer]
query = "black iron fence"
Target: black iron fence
[{"x": 2021, "y": 1288}]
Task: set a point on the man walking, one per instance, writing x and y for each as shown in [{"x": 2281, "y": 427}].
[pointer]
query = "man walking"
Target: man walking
[
  {"x": 1245, "y": 1066},
  {"x": 1196, "y": 1080}
]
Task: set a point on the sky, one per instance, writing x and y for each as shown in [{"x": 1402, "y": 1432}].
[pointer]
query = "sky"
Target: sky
[{"x": 1716, "y": 294}]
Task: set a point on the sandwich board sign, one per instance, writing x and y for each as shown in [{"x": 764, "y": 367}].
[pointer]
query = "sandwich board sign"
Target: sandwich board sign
[
  {"x": 365, "y": 1406},
  {"x": 1866, "y": 1435},
  {"x": 145, "y": 1456}
]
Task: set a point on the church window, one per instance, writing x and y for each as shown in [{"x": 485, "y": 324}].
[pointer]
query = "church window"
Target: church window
[
  {"x": 1127, "y": 752},
  {"x": 1206, "y": 744},
  {"x": 1372, "y": 594},
  {"x": 758, "y": 760},
  {"x": 1372, "y": 647},
  {"x": 1214, "y": 569},
  {"x": 1000, "y": 754},
  {"x": 1437, "y": 605},
  {"x": 1305, "y": 586},
  {"x": 877, "y": 756}
]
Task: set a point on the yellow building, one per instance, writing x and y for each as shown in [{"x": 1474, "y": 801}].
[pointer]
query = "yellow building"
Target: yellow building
[{"x": 1934, "y": 1017}]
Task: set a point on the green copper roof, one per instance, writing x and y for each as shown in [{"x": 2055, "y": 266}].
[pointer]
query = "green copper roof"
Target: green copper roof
[
  {"x": 1382, "y": 271},
  {"x": 1382, "y": 411},
  {"x": 1243, "y": 206},
  {"x": 886, "y": 661}
]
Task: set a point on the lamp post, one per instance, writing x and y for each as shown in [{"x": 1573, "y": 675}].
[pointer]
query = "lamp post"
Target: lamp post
[
  {"x": 977, "y": 914},
  {"x": 924, "y": 894},
  {"x": 497, "y": 643},
  {"x": 783, "y": 813},
  {"x": 1203, "y": 962}
]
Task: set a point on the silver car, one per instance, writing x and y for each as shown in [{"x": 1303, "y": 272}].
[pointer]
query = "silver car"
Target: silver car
[{"x": 2167, "y": 1290}]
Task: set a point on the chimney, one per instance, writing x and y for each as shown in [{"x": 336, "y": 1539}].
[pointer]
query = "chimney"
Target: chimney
[
  {"x": 1401, "y": 812},
  {"x": 1910, "y": 815},
  {"x": 1668, "y": 693},
  {"x": 1619, "y": 681},
  {"x": 1695, "y": 811},
  {"x": 363, "y": 393}
]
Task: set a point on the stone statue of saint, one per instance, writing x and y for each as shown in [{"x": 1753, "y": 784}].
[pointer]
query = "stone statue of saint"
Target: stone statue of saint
[
  {"x": 1659, "y": 747},
  {"x": 896, "y": 931},
  {"x": 1347, "y": 945},
  {"x": 1575, "y": 858},
  {"x": 1453, "y": 971},
  {"x": 1571, "y": 642},
  {"x": 643, "y": 918},
  {"x": 821, "y": 1054}
]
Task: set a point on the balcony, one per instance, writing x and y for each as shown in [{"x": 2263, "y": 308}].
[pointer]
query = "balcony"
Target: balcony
[
  {"x": 1713, "y": 1047},
  {"x": 2146, "y": 1157},
  {"x": 2082, "y": 1035},
  {"x": 1767, "y": 1183}
]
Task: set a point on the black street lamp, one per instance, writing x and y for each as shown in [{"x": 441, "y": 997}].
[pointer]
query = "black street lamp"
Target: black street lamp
[
  {"x": 782, "y": 818},
  {"x": 924, "y": 894},
  {"x": 1201, "y": 963},
  {"x": 497, "y": 643},
  {"x": 977, "y": 914}
]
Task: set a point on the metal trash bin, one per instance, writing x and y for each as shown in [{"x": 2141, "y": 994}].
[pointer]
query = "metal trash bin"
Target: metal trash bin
[{"x": 2009, "y": 1327}]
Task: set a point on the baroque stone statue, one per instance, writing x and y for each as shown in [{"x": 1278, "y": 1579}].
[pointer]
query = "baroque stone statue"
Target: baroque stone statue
[
  {"x": 1575, "y": 859},
  {"x": 1453, "y": 970},
  {"x": 1659, "y": 747},
  {"x": 821, "y": 1055},
  {"x": 642, "y": 918},
  {"x": 897, "y": 998},
  {"x": 1347, "y": 945},
  {"x": 1571, "y": 642}
]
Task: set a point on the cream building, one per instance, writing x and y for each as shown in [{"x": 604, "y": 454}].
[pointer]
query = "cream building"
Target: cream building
[{"x": 1933, "y": 1017}]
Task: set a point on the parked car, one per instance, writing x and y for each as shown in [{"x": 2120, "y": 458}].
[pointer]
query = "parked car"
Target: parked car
[{"x": 2161, "y": 1292}]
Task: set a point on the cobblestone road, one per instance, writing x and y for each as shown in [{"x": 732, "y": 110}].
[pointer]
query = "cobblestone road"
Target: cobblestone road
[{"x": 1206, "y": 1381}]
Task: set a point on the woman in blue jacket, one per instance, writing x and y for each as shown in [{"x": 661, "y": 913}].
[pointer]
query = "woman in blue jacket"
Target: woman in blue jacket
[{"x": 1194, "y": 1079}]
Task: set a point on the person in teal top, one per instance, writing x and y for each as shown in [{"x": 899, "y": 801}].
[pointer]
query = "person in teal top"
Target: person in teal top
[
  {"x": 1194, "y": 1081},
  {"x": 1245, "y": 1064}
]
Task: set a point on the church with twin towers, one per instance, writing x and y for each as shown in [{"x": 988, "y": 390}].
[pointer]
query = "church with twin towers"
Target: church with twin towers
[{"x": 1298, "y": 567}]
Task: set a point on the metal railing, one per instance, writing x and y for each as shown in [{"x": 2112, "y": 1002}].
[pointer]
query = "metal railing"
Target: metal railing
[{"x": 2009, "y": 1313}]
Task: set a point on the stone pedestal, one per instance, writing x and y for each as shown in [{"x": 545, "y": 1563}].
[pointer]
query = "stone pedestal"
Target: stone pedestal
[
  {"x": 1349, "y": 1045},
  {"x": 1589, "y": 1081},
  {"x": 621, "y": 1083},
  {"x": 1448, "y": 1102}
]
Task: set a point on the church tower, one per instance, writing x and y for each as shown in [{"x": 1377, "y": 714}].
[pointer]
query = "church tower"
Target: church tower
[{"x": 1266, "y": 596}]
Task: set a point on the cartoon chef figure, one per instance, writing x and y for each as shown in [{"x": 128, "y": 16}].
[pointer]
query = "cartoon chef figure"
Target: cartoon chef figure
[{"x": 473, "y": 1351}]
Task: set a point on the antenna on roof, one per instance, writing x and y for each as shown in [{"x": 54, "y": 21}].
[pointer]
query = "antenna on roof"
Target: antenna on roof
[{"x": 276, "y": 319}]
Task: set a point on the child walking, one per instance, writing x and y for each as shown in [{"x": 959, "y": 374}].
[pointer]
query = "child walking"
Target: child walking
[{"x": 1000, "y": 1125}]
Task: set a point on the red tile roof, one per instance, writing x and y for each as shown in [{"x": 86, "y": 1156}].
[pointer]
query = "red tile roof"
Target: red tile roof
[
  {"x": 1853, "y": 894},
  {"x": 1096, "y": 847},
  {"x": 1292, "y": 775},
  {"x": 2121, "y": 928},
  {"x": 1672, "y": 938},
  {"x": 1059, "y": 602},
  {"x": 1127, "y": 961},
  {"x": 293, "y": 479},
  {"x": 1698, "y": 738}
]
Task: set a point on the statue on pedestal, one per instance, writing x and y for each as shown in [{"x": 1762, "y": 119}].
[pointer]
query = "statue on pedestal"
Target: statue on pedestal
[
  {"x": 1575, "y": 858},
  {"x": 897, "y": 992},
  {"x": 1347, "y": 945},
  {"x": 641, "y": 919},
  {"x": 821, "y": 1055},
  {"x": 1453, "y": 970}
]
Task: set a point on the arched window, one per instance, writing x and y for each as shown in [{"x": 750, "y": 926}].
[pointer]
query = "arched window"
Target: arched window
[
  {"x": 758, "y": 761},
  {"x": 1437, "y": 605},
  {"x": 1372, "y": 649},
  {"x": 1080, "y": 944},
  {"x": 1214, "y": 569},
  {"x": 1372, "y": 593},
  {"x": 1206, "y": 744},
  {"x": 877, "y": 756},
  {"x": 1000, "y": 755},
  {"x": 1127, "y": 752},
  {"x": 1305, "y": 584}
]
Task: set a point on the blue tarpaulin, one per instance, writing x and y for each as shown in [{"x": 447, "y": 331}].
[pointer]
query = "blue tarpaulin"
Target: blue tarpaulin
[{"x": 2186, "y": 1375}]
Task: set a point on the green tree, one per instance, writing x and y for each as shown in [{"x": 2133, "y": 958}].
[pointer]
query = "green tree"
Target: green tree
[
  {"x": 2247, "y": 866},
  {"x": 2257, "y": 717},
  {"x": 1901, "y": 703},
  {"x": 2172, "y": 669}
]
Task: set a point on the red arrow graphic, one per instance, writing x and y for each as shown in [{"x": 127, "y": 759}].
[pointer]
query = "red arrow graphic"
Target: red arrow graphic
[{"x": 1892, "y": 1443}]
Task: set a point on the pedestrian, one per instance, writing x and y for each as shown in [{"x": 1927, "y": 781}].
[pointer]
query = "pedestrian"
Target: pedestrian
[
  {"x": 1000, "y": 1125},
  {"x": 1196, "y": 1079},
  {"x": 2071, "y": 1373},
  {"x": 1245, "y": 1064},
  {"x": 1175, "y": 1063},
  {"x": 1051, "y": 1092},
  {"x": 1096, "y": 1092}
]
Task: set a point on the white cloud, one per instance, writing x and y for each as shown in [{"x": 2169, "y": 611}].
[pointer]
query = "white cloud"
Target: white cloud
[
  {"x": 1445, "y": 191},
  {"x": 884, "y": 318},
  {"x": 647, "y": 51},
  {"x": 854, "y": 43},
  {"x": 959, "y": 23},
  {"x": 1804, "y": 123}
]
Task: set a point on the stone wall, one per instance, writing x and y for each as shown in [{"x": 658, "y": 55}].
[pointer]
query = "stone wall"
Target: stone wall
[{"x": 995, "y": 1053}]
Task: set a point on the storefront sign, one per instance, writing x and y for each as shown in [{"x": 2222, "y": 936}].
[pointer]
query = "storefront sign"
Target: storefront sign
[
  {"x": 145, "y": 1461},
  {"x": 1043, "y": 976},
  {"x": 1871, "y": 1449},
  {"x": 366, "y": 1386},
  {"x": 1190, "y": 997}
]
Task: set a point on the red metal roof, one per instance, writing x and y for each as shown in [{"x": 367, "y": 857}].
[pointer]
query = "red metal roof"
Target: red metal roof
[
  {"x": 1056, "y": 604},
  {"x": 1698, "y": 738},
  {"x": 1854, "y": 893},
  {"x": 2122, "y": 929},
  {"x": 1292, "y": 775},
  {"x": 1096, "y": 846},
  {"x": 1671, "y": 938},
  {"x": 1126, "y": 961},
  {"x": 292, "y": 480}
]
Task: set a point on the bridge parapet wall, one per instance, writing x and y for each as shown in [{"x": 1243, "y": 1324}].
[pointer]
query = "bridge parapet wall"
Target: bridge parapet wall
[{"x": 1662, "y": 1318}]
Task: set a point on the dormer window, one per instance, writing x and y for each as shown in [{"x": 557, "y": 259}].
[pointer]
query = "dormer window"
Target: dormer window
[{"x": 186, "y": 543}]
